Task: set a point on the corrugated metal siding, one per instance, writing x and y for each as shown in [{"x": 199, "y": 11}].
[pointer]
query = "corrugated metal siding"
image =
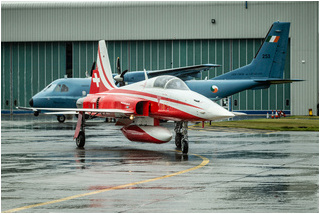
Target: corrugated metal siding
[
  {"x": 80, "y": 21},
  {"x": 305, "y": 46},
  {"x": 128, "y": 21},
  {"x": 26, "y": 68}
]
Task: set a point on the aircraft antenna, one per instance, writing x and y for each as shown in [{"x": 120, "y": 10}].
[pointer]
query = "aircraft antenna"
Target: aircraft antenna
[{"x": 145, "y": 74}]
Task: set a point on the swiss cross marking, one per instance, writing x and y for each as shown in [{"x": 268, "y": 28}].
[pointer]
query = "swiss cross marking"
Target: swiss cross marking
[{"x": 96, "y": 79}]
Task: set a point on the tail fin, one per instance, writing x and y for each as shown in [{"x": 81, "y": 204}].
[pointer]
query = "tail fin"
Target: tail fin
[
  {"x": 270, "y": 59},
  {"x": 102, "y": 79}
]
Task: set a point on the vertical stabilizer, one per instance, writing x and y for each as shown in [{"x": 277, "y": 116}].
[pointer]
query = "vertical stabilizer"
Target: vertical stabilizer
[
  {"x": 102, "y": 79},
  {"x": 270, "y": 59}
]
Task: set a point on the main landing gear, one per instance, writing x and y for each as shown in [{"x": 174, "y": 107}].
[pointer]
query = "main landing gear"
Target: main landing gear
[
  {"x": 61, "y": 118},
  {"x": 181, "y": 139},
  {"x": 79, "y": 135}
]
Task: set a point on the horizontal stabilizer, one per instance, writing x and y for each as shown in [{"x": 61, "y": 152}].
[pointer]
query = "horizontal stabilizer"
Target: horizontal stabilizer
[{"x": 278, "y": 81}]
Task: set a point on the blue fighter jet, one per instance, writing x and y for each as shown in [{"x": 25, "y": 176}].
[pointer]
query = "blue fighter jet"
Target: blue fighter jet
[{"x": 265, "y": 69}]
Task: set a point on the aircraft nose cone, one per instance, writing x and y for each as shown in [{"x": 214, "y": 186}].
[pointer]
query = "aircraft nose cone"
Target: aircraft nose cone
[
  {"x": 223, "y": 114},
  {"x": 217, "y": 112},
  {"x": 31, "y": 102}
]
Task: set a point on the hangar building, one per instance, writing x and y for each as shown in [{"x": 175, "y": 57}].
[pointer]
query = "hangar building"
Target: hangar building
[{"x": 41, "y": 42}]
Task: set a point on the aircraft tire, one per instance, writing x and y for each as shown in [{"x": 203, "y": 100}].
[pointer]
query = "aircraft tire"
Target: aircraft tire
[
  {"x": 185, "y": 146},
  {"x": 61, "y": 118},
  {"x": 178, "y": 140},
  {"x": 81, "y": 139}
]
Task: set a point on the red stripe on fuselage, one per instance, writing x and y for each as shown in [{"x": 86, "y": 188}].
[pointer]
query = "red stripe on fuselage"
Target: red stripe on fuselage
[
  {"x": 128, "y": 92},
  {"x": 162, "y": 111}
]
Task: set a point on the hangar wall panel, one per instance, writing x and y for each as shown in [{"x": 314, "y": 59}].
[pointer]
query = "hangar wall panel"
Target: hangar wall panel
[
  {"x": 81, "y": 21},
  {"x": 27, "y": 68}
]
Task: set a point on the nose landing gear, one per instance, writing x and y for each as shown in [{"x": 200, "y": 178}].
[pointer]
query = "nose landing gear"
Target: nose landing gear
[{"x": 181, "y": 138}]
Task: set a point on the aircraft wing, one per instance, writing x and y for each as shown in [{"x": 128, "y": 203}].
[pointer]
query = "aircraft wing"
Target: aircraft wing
[
  {"x": 183, "y": 72},
  {"x": 278, "y": 81},
  {"x": 26, "y": 108},
  {"x": 77, "y": 110},
  {"x": 49, "y": 112}
]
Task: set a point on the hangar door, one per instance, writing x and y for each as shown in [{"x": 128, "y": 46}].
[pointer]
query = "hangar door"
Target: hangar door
[{"x": 26, "y": 68}]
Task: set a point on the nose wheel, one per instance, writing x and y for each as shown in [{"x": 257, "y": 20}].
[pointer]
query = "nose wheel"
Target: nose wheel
[{"x": 181, "y": 138}]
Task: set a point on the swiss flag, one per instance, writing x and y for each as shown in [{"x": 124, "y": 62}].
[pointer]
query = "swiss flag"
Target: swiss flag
[{"x": 96, "y": 83}]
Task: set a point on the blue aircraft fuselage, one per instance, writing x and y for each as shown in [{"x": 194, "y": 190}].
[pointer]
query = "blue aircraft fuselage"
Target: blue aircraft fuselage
[
  {"x": 62, "y": 93},
  {"x": 218, "y": 89}
]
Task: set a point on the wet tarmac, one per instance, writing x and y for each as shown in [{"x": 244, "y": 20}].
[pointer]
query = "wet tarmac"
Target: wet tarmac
[{"x": 226, "y": 170}]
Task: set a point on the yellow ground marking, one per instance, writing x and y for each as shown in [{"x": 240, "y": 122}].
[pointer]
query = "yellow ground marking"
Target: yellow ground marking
[{"x": 204, "y": 162}]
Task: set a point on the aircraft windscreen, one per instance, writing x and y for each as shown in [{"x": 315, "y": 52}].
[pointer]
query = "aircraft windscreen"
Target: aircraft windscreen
[
  {"x": 61, "y": 88},
  {"x": 170, "y": 82},
  {"x": 49, "y": 87},
  {"x": 176, "y": 84},
  {"x": 58, "y": 88},
  {"x": 64, "y": 88}
]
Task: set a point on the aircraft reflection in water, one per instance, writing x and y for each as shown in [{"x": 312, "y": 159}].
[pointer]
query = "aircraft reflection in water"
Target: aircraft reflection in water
[
  {"x": 266, "y": 68},
  {"x": 140, "y": 106},
  {"x": 125, "y": 156}
]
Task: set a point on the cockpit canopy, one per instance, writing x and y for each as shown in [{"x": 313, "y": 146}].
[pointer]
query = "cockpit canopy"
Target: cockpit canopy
[
  {"x": 56, "y": 88},
  {"x": 169, "y": 82}
]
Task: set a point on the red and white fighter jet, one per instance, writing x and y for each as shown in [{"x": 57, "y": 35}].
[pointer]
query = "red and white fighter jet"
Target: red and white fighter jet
[{"x": 140, "y": 106}]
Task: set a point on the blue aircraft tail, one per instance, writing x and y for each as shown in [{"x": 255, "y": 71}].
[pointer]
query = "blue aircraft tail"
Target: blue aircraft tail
[{"x": 270, "y": 59}]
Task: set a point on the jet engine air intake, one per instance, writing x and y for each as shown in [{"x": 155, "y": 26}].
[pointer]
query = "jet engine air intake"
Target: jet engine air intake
[{"x": 142, "y": 108}]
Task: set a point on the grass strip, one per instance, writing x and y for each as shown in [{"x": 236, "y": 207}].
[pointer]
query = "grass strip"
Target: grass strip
[{"x": 292, "y": 123}]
